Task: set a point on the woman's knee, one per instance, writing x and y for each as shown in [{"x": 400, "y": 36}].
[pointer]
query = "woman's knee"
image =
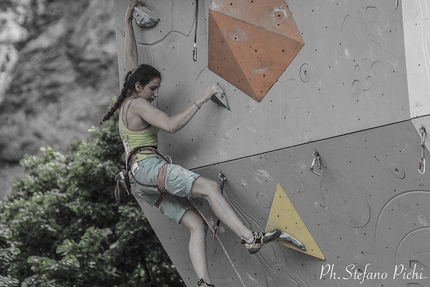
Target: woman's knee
[
  {"x": 199, "y": 228},
  {"x": 204, "y": 186},
  {"x": 194, "y": 222},
  {"x": 202, "y": 226},
  {"x": 213, "y": 186}
]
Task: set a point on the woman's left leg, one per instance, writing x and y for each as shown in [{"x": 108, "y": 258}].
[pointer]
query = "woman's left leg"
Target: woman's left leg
[
  {"x": 253, "y": 240},
  {"x": 197, "y": 246}
]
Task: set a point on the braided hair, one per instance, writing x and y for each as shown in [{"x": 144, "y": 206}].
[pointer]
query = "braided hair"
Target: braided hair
[{"x": 142, "y": 74}]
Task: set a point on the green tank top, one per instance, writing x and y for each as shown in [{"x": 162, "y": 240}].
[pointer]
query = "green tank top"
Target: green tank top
[{"x": 132, "y": 139}]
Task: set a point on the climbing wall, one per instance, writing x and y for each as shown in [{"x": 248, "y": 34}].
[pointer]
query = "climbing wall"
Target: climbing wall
[
  {"x": 351, "y": 103},
  {"x": 369, "y": 206}
]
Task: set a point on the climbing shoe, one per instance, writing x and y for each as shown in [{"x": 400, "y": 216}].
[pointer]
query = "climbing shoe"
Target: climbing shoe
[
  {"x": 259, "y": 239},
  {"x": 202, "y": 283}
]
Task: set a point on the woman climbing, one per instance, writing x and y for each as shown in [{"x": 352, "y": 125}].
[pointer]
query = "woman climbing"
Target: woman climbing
[{"x": 139, "y": 124}]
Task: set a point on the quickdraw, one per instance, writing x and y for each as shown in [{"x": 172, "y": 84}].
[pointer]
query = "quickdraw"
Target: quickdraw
[
  {"x": 195, "y": 32},
  {"x": 222, "y": 178},
  {"x": 422, "y": 164}
]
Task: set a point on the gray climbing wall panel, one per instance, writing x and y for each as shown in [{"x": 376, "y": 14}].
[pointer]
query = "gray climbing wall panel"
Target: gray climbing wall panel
[
  {"x": 349, "y": 75},
  {"x": 357, "y": 92},
  {"x": 370, "y": 206}
]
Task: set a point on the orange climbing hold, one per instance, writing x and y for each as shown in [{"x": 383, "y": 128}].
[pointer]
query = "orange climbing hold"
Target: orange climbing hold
[{"x": 251, "y": 43}]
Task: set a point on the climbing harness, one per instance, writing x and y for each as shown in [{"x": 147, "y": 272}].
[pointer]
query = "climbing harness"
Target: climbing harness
[
  {"x": 122, "y": 190},
  {"x": 161, "y": 178},
  {"x": 222, "y": 178},
  {"x": 195, "y": 32},
  {"x": 422, "y": 164},
  {"x": 316, "y": 160}
]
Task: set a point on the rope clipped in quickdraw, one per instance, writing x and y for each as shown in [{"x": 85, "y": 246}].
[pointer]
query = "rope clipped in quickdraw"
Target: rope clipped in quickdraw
[
  {"x": 195, "y": 32},
  {"x": 222, "y": 179},
  {"x": 422, "y": 164}
]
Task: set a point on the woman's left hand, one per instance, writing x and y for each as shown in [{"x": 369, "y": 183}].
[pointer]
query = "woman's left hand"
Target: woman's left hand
[{"x": 129, "y": 14}]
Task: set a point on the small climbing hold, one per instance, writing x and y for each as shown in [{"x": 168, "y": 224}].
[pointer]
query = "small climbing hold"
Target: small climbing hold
[
  {"x": 220, "y": 99},
  {"x": 144, "y": 17},
  {"x": 316, "y": 160},
  {"x": 288, "y": 238}
]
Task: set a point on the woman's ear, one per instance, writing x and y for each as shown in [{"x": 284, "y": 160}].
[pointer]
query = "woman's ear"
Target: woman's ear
[{"x": 138, "y": 87}]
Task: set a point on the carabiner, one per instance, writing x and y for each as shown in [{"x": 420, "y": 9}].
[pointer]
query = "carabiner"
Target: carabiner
[{"x": 195, "y": 52}]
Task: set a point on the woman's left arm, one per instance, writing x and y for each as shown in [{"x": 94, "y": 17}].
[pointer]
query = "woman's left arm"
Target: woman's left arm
[{"x": 131, "y": 56}]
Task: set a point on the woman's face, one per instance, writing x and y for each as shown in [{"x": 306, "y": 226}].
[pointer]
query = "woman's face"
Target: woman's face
[{"x": 150, "y": 91}]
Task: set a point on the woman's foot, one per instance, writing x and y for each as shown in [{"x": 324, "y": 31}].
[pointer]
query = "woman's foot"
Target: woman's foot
[
  {"x": 260, "y": 238},
  {"x": 202, "y": 283}
]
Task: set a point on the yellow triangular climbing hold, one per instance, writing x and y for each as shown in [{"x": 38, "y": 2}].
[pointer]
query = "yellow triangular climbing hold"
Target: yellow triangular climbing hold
[{"x": 284, "y": 216}]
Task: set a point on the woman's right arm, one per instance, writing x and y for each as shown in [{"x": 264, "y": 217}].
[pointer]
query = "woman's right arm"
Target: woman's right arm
[
  {"x": 131, "y": 56},
  {"x": 171, "y": 124}
]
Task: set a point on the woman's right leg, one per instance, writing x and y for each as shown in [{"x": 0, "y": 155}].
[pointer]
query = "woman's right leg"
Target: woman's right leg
[{"x": 197, "y": 246}]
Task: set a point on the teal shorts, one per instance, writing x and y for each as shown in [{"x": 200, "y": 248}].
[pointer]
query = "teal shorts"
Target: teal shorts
[{"x": 178, "y": 183}]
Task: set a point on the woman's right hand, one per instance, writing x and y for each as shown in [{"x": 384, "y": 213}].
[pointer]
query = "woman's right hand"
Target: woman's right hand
[{"x": 210, "y": 91}]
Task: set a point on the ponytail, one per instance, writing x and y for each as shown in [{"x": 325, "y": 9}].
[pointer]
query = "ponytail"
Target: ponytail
[
  {"x": 142, "y": 74},
  {"x": 119, "y": 101}
]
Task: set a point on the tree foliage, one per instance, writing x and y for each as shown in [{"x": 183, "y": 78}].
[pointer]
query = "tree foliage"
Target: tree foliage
[{"x": 62, "y": 226}]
